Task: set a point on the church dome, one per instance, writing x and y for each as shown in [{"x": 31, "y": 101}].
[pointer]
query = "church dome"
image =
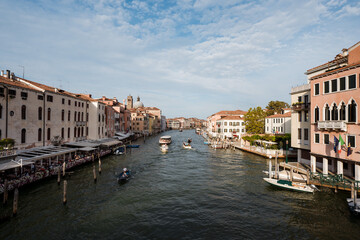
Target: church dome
[{"x": 138, "y": 104}]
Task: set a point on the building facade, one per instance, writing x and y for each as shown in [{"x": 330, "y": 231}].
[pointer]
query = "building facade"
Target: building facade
[
  {"x": 278, "y": 123},
  {"x": 231, "y": 127}
]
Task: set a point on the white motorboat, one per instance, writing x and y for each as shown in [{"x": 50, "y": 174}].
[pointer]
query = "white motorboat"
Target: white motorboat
[
  {"x": 301, "y": 187},
  {"x": 164, "y": 148},
  {"x": 165, "y": 140},
  {"x": 186, "y": 145}
]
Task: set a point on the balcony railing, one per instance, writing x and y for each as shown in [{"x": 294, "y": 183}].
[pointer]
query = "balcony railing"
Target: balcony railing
[
  {"x": 81, "y": 123},
  {"x": 336, "y": 125},
  {"x": 300, "y": 106}
]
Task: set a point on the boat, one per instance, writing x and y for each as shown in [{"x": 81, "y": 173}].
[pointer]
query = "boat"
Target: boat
[
  {"x": 119, "y": 151},
  {"x": 217, "y": 146},
  {"x": 124, "y": 176},
  {"x": 354, "y": 206},
  {"x": 206, "y": 143},
  {"x": 165, "y": 140},
  {"x": 180, "y": 130},
  {"x": 186, "y": 145},
  {"x": 285, "y": 175},
  {"x": 189, "y": 140},
  {"x": 164, "y": 148},
  {"x": 133, "y": 146},
  {"x": 301, "y": 187},
  {"x": 198, "y": 130}
]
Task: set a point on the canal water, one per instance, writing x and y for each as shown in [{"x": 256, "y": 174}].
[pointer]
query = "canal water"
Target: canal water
[{"x": 184, "y": 194}]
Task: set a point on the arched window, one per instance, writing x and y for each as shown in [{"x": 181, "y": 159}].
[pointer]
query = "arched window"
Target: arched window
[
  {"x": 49, "y": 114},
  {"x": 23, "y": 135},
  {"x": 352, "y": 111},
  {"x": 63, "y": 115},
  {"x": 343, "y": 112},
  {"x": 48, "y": 134},
  {"x": 334, "y": 113},
  {"x": 316, "y": 114},
  {"x": 327, "y": 112},
  {"x": 40, "y": 113},
  {"x": 39, "y": 134},
  {"x": 23, "y": 112},
  {"x": 75, "y": 116}
]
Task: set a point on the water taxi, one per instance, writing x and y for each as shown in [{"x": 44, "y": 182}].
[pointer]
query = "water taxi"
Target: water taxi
[
  {"x": 165, "y": 140},
  {"x": 301, "y": 187}
]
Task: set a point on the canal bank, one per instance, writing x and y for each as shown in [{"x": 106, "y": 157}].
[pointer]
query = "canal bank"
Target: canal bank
[{"x": 181, "y": 194}]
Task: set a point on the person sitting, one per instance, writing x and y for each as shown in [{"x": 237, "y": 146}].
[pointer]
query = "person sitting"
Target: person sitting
[{"x": 125, "y": 172}]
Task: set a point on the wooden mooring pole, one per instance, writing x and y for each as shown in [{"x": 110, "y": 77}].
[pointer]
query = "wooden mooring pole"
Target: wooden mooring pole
[
  {"x": 16, "y": 200},
  {"x": 99, "y": 166},
  {"x": 59, "y": 173},
  {"x": 64, "y": 167},
  {"x": 94, "y": 172},
  {"x": 65, "y": 189},
  {"x": 6, "y": 194}
]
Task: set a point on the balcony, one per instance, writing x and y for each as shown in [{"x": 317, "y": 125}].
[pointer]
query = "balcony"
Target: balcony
[
  {"x": 300, "y": 106},
  {"x": 335, "y": 125},
  {"x": 81, "y": 123}
]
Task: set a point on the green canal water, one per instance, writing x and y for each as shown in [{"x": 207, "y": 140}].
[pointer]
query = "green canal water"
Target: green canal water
[{"x": 184, "y": 194}]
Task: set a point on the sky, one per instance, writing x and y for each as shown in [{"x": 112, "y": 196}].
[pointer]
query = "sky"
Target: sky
[{"x": 189, "y": 58}]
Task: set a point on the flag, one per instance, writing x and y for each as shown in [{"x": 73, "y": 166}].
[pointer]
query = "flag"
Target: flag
[
  {"x": 349, "y": 150},
  {"x": 336, "y": 143},
  {"x": 341, "y": 142}
]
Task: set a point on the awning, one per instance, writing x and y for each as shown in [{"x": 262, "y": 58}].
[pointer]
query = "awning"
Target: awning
[
  {"x": 82, "y": 144},
  {"x": 266, "y": 142},
  {"x": 86, "y": 149},
  {"x": 13, "y": 164},
  {"x": 110, "y": 143}
]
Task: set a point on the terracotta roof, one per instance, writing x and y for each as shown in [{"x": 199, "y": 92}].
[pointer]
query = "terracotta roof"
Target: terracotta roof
[
  {"x": 16, "y": 83},
  {"x": 232, "y": 118},
  {"x": 50, "y": 89},
  {"x": 335, "y": 71},
  {"x": 288, "y": 114},
  {"x": 235, "y": 112}
]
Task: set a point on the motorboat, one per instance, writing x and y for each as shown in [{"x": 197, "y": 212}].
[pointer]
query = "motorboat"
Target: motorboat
[
  {"x": 133, "y": 146},
  {"x": 124, "y": 176},
  {"x": 165, "y": 140},
  {"x": 186, "y": 145},
  {"x": 290, "y": 185},
  {"x": 119, "y": 151},
  {"x": 164, "y": 148}
]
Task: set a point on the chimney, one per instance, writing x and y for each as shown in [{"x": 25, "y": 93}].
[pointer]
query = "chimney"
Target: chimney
[
  {"x": 103, "y": 98},
  {"x": 8, "y": 74},
  {"x": 2, "y": 73},
  {"x": 12, "y": 76}
]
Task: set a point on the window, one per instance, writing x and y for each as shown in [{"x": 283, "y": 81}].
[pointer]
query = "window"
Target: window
[
  {"x": 49, "y": 98},
  {"x": 78, "y": 116},
  {"x": 334, "y": 113},
  {"x": 317, "y": 138},
  {"x": 230, "y": 123},
  {"x": 75, "y": 116},
  {"x": 87, "y": 117},
  {"x": 316, "y": 114},
  {"x": 69, "y": 102},
  {"x": 48, "y": 134},
  {"x": 63, "y": 101},
  {"x": 317, "y": 89},
  {"x": 23, "y": 112},
  {"x": 74, "y": 132},
  {"x": 82, "y": 116},
  {"x": 326, "y": 139},
  {"x": 23, "y": 135},
  {"x": 12, "y": 93},
  {"x": 87, "y": 131},
  {"x": 306, "y": 99},
  {"x": 62, "y": 133},
  {"x": 69, "y": 115},
  {"x": 0, "y": 112},
  {"x": 39, "y": 134},
  {"x": 40, "y": 113},
  {"x": 343, "y": 112},
  {"x": 2, "y": 93},
  {"x": 299, "y": 133},
  {"x": 306, "y": 116},
  {"x": 334, "y": 85},
  {"x": 306, "y": 134},
  {"x": 68, "y": 132},
  {"x": 63, "y": 115},
  {"x": 99, "y": 118},
  {"x": 299, "y": 116},
  {"x": 49, "y": 114},
  {"x": 75, "y": 103},
  {"x": 24, "y": 95},
  {"x": 352, "y": 111},
  {"x": 351, "y": 141},
  {"x": 342, "y": 84},
  {"x": 326, "y": 87},
  {"x": 103, "y": 117},
  {"x": 352, "y": 81},
  {"x": 327, "y": 113},
  {"x": 225, "y": 123},
  {"x": 299, "y": 99},
  {"x": 40, "y": 97}
]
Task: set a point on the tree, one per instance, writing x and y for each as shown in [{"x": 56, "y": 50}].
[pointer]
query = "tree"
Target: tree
[
  {"x": 275, "y": 107},
  {"x": 255, "y": 121}
]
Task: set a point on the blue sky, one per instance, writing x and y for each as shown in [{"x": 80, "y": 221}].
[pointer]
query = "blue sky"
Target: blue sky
[{"x": 190, "y": 58}]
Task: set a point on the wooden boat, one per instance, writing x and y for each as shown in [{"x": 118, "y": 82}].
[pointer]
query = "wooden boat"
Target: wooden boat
[
  {"x": 301, "y": 187},
  {"x": 133, "y": 146},
  {"x": 165, "y": 140},
  {"x": 186, "y": 145},
  {"x": 124, "y": 176},
  {"x": 164, "y": 148}
]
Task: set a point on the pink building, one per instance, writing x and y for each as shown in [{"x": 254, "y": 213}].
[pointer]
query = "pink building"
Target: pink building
[{"x": 335, "y": 94}]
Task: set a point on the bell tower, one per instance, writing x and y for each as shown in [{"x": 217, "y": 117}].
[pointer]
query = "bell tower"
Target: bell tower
[{"x": 130, "y": 102}]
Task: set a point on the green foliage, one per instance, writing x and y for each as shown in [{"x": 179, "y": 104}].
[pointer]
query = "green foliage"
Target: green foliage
[
  {"x": 279, "y": 139},
  {"x": 275, "y": 107},
  {"x": 6, "y": 143},
  {"x": 255, "y": 121}
]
